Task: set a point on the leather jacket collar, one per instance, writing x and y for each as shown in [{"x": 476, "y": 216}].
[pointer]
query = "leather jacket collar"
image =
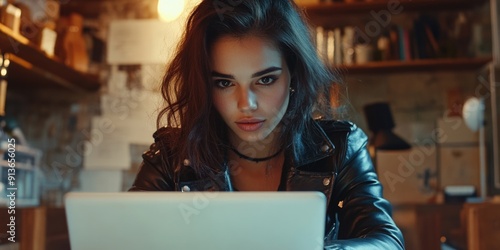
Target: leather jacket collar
[
  {"x": 311, "y": 170},
  {"x": 322, "y": 148}
]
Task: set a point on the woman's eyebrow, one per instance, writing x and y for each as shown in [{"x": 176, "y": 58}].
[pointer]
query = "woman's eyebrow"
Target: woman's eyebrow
[
  {"x": 260, "y": 73},
  {"x": 263, "y": 72}
]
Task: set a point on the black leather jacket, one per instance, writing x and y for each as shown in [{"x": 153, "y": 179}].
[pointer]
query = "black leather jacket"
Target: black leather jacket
[{"x": 339, "y": 166}]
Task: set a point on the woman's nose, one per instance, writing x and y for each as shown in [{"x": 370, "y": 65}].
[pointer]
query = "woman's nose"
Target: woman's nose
[{"x": 247, "y": 101}]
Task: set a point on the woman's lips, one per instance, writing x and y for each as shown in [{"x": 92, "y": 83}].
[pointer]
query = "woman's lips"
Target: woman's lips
[{"x": 250, "y": 124}]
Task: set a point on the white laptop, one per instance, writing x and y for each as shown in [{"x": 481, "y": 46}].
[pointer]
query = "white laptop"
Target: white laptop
[{"x": 196, "y": 220}]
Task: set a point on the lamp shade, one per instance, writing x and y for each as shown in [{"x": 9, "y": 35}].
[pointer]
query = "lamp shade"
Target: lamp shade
[
  {"x": 378, "y": 116},
  {"x": 473, "y": 113},
  {"x": 381, "y": 123}
]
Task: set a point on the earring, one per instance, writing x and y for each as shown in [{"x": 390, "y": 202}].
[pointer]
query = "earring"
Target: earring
[{"x": 292, "y": 90}]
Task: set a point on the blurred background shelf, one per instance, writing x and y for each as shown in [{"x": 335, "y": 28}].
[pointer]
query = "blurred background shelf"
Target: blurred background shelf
[
  {"x": 377, "y": 5},
  {"x": 31, "y": 68},
  {"x": 445, "y": 64}
]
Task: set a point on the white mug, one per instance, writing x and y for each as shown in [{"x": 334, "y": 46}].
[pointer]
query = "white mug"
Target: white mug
[{"x": 364, "y": 53}]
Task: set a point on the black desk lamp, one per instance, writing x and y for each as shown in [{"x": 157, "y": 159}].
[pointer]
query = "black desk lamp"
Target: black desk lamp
[{"x": 381, "y": 123}]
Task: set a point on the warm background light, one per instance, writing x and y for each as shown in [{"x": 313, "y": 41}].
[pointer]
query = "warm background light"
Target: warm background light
[{"x": 169, "y": 10}]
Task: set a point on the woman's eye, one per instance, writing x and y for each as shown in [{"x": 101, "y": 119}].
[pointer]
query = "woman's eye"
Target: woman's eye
[
  {"x": 267, "y": 80},
  {"x": 222, "y": 83}
]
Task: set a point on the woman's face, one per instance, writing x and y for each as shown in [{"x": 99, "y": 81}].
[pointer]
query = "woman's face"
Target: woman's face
[{"x": 251, "y": 86}]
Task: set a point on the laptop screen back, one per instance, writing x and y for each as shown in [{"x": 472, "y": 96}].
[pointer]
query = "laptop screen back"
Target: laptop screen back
[{"x": 196, "y": 220}]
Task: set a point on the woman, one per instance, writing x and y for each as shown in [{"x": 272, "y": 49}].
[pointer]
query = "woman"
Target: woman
[{"x": 241, "y": 90}]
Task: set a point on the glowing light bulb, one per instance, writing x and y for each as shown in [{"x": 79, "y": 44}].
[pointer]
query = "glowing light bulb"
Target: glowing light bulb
[{"x": 169, "y": 10}]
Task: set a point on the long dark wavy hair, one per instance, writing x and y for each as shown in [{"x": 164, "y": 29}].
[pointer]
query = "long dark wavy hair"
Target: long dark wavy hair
[{"x": 187, "y": 84}]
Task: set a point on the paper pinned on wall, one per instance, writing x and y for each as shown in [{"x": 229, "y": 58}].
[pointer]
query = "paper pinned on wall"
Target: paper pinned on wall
[
  {"x": 453, "y": 130},
  {"x": 459, "y": 165},
  {"x": 142, "y": 41},
  {"x": 408, "y": 176},
  {"x": 146, "y": 41}
]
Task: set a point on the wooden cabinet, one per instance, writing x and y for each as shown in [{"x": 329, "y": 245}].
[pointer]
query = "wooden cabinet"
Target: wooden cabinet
[
  {"x": 37, "y": 228},
  {"x": 437, "y": 223},
  {"x": 473, "y": 226},
  {"x": 340, "y": 14},
  {"x": 483, "y": 226}
]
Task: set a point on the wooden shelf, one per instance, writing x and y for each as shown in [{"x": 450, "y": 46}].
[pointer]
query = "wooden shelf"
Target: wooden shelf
[
  {"x": 446, "y": 64},
  {"x": 338, "y": 14},
  {"x": 31, "y": 68},
  {"x": 378, "y": 5}
]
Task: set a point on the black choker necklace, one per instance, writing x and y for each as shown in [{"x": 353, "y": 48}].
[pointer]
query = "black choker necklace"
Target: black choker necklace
[{"x": 256, "y": 160}]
